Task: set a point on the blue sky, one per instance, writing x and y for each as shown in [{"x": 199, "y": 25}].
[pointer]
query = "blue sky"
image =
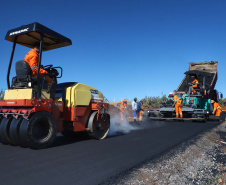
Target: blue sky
[{"x": 124, "y": 48}]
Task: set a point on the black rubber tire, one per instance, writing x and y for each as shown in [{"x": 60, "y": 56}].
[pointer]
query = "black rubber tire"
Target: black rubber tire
[
  {"x": 39, "y": 132},
  {"x": 222, "y": 117},
  {"x": 4, "y": 130},
  {"x": 14, "y": 131},
  {"x": 95, "y": 132},
  {"x": 1, "y": 117}
]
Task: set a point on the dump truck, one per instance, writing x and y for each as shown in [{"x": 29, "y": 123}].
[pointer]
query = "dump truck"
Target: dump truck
[
  {"x": 195, "y": 106},
  {"x": 31, "y": 115}
]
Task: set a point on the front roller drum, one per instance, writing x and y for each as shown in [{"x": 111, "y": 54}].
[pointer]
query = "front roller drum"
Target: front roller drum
[
  {"x": 99, "y": 128},
  {"x": 39, "y": 131},
  {"x": 4, "y": 130}
]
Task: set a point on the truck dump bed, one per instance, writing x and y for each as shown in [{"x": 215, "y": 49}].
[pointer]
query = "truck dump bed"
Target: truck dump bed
[{"x": 201, "y": 69}]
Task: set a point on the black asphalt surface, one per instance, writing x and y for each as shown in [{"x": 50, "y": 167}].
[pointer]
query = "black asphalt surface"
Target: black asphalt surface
[{"x": 82, "y": 161}]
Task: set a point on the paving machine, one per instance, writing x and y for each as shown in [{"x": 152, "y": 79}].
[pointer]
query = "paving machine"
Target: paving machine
[
  {"x": 30, "y": 114},
  {"x": 195, "y": 106}
]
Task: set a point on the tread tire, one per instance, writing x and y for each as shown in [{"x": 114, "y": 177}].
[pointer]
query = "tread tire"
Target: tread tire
[
  {"x": 14, "y": 131},
  {"x": 4, "y": 130},
  {"x": 39, "y": 132}
]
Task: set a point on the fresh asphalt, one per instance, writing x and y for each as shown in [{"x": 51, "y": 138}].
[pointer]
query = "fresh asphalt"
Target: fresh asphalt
[{"x": 81, "y": 161}]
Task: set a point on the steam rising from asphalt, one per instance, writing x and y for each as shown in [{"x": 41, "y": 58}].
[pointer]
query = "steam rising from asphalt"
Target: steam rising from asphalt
[{"x": 117, "y": 127}]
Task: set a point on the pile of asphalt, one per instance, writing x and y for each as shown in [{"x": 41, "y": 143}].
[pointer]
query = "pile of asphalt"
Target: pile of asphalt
[{"x": 201, "y": 160}]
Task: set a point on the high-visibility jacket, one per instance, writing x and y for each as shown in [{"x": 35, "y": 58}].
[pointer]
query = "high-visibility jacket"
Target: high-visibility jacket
[
  {"x": 142, "y": 111},
  {"x": 32, "y": 58},
  {"x": 216, "y": 109},
  {"x": 195, "y": 84},
  {"x": 178, "y": 106},
  {"x": 175, "y": 98},
  {"x": 123, "y": 105}
]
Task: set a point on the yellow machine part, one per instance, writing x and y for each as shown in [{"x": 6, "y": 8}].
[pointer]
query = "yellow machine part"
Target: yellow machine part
[
  {"x": 16, "y": 94},
  {"x": 81, "y": 95}
]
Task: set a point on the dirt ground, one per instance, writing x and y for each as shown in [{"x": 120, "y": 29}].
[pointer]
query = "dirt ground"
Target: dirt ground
[{"x": 201, "y": 160}]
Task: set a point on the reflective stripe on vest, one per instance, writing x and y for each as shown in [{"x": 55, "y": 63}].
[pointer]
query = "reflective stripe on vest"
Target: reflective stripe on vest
[{"x": 33, "y": 67}]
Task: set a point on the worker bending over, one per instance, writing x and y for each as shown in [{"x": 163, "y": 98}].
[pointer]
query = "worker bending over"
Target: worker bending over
[
  {"x": 142, "y": 110},
  {"x": 194, "y": 84},
  {"x": 177, "y": 103},
  {"x": 122, "y": 106},
  {"x": 216, "y": 108},
  {"x": 32, "y": 58}
]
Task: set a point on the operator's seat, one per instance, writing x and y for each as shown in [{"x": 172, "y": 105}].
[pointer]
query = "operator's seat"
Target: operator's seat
[{"x": 23, "y": 73}]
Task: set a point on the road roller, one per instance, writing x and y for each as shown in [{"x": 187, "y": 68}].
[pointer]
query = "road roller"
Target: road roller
[{"x": 31, "y": 113}]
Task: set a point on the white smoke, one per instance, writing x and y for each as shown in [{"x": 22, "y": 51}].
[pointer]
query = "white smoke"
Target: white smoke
[{"x": 118, "y": 127}]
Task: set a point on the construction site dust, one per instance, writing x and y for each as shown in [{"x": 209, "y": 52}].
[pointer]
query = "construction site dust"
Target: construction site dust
[{"x": 118, "y": 127}]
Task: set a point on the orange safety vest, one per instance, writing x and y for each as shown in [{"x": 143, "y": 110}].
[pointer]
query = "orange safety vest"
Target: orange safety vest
[
  {"x": 123, "y": 105},
  {"x": 216, "y": 109},
  {"x": 32, "y": 59},
  {"x": 195, "y": 83}
]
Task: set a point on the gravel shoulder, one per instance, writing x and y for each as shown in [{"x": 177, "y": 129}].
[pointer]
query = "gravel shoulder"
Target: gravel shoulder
[{"x": 201, "y": 160}]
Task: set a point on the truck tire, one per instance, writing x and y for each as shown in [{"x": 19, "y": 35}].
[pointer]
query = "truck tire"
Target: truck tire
[
  {"x": 94, "y": 126},
  {"x": 14, "y": 131},
  {"x": 39, "y": 131},
  {"x": 4, "y": 130}
]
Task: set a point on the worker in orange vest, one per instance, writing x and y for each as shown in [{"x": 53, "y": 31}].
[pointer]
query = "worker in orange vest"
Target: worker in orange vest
[
  {"x": 32, "y": 58},
  {"x": 194, "y": 84},
  {"x": 216, "y": 108},
  {"x": 122, "y": 106},
  {"x": 139, "y": 109},
  {"x": 142, "y": 110},
  {"x": 177, "y": 103}
]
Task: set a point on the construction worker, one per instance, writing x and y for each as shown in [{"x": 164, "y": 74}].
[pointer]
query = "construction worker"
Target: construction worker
[
  {"x": 139, "y": 108},
  {"x": 142, "y": 110},
  {"x": 177, "y": 103},
  {"x": 32, "y": 58},
  {"x": 216, "y": 108},
  {"x": 134, "y": 108},
  {"x": 194, "y": 84},
  {"x": 122, "y": 106}
]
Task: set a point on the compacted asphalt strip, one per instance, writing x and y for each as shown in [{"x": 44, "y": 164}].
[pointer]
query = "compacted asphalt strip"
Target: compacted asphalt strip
[{"x": 81, "y": 161}]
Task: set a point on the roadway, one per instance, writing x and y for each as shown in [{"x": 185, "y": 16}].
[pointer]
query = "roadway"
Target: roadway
[{"x": 82, "y": 161}]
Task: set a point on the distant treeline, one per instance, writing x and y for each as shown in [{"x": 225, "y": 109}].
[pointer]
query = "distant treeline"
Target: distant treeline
[{"x": 154, "y": 101}]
